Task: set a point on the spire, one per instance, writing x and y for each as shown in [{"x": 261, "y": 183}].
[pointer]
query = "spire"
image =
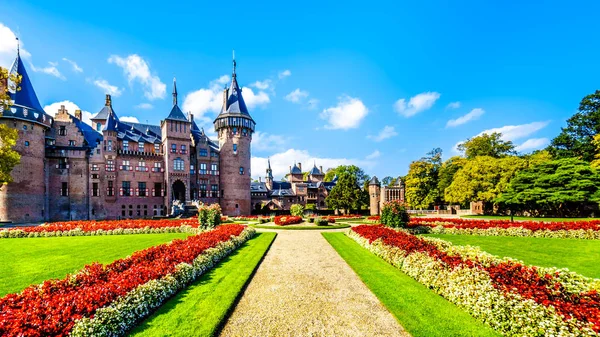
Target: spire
[
  {"x": 269, "y": 170},
  {"x": 18, "y": 46},
  {"x": 234, "y": 65},
  {"x": 174, "y": 91}
]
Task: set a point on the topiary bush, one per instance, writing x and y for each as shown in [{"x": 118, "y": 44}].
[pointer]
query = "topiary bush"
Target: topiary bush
[
  {"x": 296, "y": 210},
  {"x": 321, "y": 221},
  {"x": 209, "y": 216},
  {"x": 394, "y": 214}
]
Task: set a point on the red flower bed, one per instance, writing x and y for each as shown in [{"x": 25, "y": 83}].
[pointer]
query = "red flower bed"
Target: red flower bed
[
  {"x": 345, "y": 217},
  {"x": 90, "y": 226},
  {"x": 374, "y": 218},
  {"x": 284, "y": 220},
  {"x": 52, "y": 308},
  {"x": 485, "y": 224},
  {"x": 506, "y": 276}
]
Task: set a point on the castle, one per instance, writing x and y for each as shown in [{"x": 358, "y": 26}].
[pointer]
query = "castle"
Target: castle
[
  {"x": 379, "y": 195},
  {"x": 112, "y": 169}
]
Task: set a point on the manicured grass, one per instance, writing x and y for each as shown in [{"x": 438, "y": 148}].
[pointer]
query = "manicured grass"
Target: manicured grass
[
  {"x": 507, "y": 217},
  {"x": 201, "y": 309},
  {"x": 419, "y": 310},
  {"x": 297, "y": 227},
  {"x": 27, "y": 261},
  {"x": 581, "y": 256}
]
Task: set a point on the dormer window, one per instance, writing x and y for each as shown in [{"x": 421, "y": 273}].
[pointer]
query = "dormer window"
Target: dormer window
[
  {"x": 62, "y": 131},
  {"x": 141, "y": 146},
  {"x": 125, "y": 145},
  {"x": 156, "y": 148}
]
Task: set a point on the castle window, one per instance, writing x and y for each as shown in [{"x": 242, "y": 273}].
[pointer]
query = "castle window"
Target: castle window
[
  {"x": 95, "y": 167},
  {"x": 235, "y": 131},
  {"x": 191, "y": 169},
  {"x": 142, "y": 189},
  {"x": 244, "y": 132},
  {"x": 125, "y": 145},
  {"x": 234, "y": 148},
  {"x": 157, "y": 189},
  {"x": 141, "y": 146},
  {"x": 214, "y": 191},
  {"x": 95, "y": 191},
  {"x": 141, "y": 167},
  {"x": 64, "y": 189},
  {"x": 183, "y": 149},
  {"x": 24, "y": 127},
  {"x": 173, "y": 148},
  {"x": 62, "y": 163},
  {"x": 202, "y": 168},
  {"x": 178, "y": 164},
  {"x": 110, "y": 190},
  {"x": 203, "y": 153},
  {"x": 98, "y": 127},
  {"x": 110, "y": 165},
  {"x": 156, "y": 148},
  {"x": 157, "y": 167},
  {"x": 125, "y": 166},
  {"x": 26, "y": 143},
  {"x": 214, "y": 154},
  {"x": 214, "y": 169},
  {"x": 126, "y": 188},
  {"x": 203, "y": 188},
  {"x": 62, "y": 131},
  {"x": 71, "y": 142},
  {"x": 109, "y": 148},
  {"x": 241, "y": 171}
]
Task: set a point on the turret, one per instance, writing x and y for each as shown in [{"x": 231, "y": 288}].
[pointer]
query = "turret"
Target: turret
[
  {"x": 234, "y": 127},
  {"x": 374, "y": 195}
]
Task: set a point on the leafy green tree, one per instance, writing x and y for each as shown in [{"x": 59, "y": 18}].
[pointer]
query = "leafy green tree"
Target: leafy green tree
[
  {"x": 387, "y": 181},
  {"x": 596, "y": 161},
  {"x": 447, "y": 172},
  {"x": 347, "y": 194},
  {"x": 490, "y": 145},
  {"x": 421, "y": 182},
  {"x": 483, "y": 178},
  {"x": 9, "y": 158},
  {"x": 359, "y": 174},
  {"x": 576, "y": 139},
  {"x": 563, "y": 187},
  {"x": 297, "y": 210}
]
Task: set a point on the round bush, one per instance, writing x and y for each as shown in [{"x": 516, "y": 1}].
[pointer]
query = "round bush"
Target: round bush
[{"x": 394, "y": 214}]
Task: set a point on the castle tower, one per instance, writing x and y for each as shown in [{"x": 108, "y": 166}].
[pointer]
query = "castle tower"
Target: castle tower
[
  {"x": 234, "y": 127},
  {"x": 374, "y": 196},
  {"x": 176, "y": 141},
  {"x": 316, "y": 174},
  {"x": 296, "y": 173},
  {"x": 269, "y": 177},
  {"x": 24, "y": 199}
]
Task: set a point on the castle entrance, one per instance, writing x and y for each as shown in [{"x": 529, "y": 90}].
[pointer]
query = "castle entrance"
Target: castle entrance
[{"x": 178, "y": 191}]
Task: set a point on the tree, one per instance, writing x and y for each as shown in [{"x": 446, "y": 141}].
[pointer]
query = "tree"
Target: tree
[
  {"x": 421, "y": 182},
  {"x": 596, "y": 161},
  {"x": 9, "y": 158},
  {"x": 576, "y": 139},
  {"x": 361, "y": 177},
  {"x": 490, "y": 145},
  {"x": 563, "y": 187},
  {"x": 346, "y": 194},
  {"x": 483, "y": 178},
  {"x": 387, "y": 181},
  {"x": 297, "y": 210},
  {"x": 447, "y": 172}
]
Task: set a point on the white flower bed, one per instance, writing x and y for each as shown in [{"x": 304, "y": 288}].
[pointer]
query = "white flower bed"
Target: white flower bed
[
  {"x": 126, "y": 312},
  {"x": 514, "y": 231}
]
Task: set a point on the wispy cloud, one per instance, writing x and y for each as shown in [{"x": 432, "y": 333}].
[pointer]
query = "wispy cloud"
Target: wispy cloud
[
  {"x": 262, "y": 141},
  {"x": 347, "y": 114},
  {"x": 533, "y": 144},
  {"x": 8, "y": 47},
  {"x": 472, "y": 115},
  {"x": 52, "y": 109},
  {"x": 453, "y": 105},
  {"x": 284, "y": 74},
  {"x": 74, "y": 65},
  {"x": 129, "y": 119},
  {"x": 296, "y": 96},
  {"x": 374, "y": 155},
  {"x": 137, "y": 69},
  {"x": 144, "y": 106},
  {"x": 108, "y": 88},
  {"x": 416, "y": 104},
  {"x": 385, "y": 133},
  {"x": 50, "y": 70}
]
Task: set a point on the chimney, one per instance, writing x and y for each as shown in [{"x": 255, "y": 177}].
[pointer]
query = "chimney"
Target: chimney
[
  {"x": 191, "y": 117},
  {"x": 300, "y": 166},
  {"x": 225, "y": 94},
  {"x": 108, "y": 100},
  {"x": 290, "y": 169},
  {"x": 321, "y": 169},
  {"x": 259, "y": 179},
  {"x": 78, "y": 114}
]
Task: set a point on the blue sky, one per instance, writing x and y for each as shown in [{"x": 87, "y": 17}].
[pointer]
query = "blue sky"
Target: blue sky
[{"x": 371, "y": 83}]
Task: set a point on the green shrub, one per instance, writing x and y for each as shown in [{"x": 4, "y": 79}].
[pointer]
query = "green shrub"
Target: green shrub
[
  {"x": 321, "y": 221},
  {"x": 394, "y": 214},
  {"x": 311, "y": 219},
  {"x": 263, "y": 220},
  {"x": 209, "y": 216},
  {"x": 297, "y": 210}
]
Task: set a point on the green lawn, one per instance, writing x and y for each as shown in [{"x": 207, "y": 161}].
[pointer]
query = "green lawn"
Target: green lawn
[
  {"x": 419, "y": 310},
  {"x": 27, "y": 261},
  {"x": 507, "y": 217},
  {"x": 581, "y": 256},
  {"x": 201, "y": 309}
]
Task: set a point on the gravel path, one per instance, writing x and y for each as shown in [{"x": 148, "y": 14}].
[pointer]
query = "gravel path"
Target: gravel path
[{"x": 304, "y": 288}]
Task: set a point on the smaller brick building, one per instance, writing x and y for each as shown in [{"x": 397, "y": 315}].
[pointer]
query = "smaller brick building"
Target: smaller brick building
[{"x": 378, "y": 195}]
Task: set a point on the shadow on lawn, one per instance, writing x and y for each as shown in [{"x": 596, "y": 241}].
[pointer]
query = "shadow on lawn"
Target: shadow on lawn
[{"x": 204, "y": 280}]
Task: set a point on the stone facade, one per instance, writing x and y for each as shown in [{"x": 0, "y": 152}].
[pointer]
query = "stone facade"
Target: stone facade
[
  {"x": 379, "y": 195},
  {"x": 70, "y": 170}
]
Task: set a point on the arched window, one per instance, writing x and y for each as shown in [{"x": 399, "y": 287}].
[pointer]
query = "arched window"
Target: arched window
[
  {"x": 178, "y": 164},
  {"x": 241, "y": 170}
]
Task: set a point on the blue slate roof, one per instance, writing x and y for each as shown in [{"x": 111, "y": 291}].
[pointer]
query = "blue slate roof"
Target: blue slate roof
[
  {"x": 374, "y": 181},
  {"x": 315, "y": 171},
  {"x": 91, "y": 136},
  {"x": 25, "y": 102},
  {"x": 259, "y": 187},
  {"x": 296, "y": 170},
  {"x": 112, "y": 121},
  {"x": 177, "y": 115}
]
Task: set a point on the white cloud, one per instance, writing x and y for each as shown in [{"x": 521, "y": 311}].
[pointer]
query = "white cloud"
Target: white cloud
[
  {"x": 376, "y": 154},
  {"x": 296, "y": 96},
  {"x": 385, "y": 133},
  {"x": 347, "y": 114},
  {"x": 8, "y": 47},
  {"x": 137, "y": 69},
  {"x": 473, "y": 115},
  {"x": 52, "y": 109},
  {"x": 513, "y": 132},
  {"x": 50, "y": 70},
  {"x": 129, "y": 119},
  {"x": 416, "y": 104},
  {"x": 262, "y": 85},
  {"x": 144, "y": 106},
  {"x": 262, "y": 141},
  {"x": 533, "y": 144},
  {"x": 205, "y": 100},
  {"x": 281, "y": 161},
  {"x": 253, "y": 100},
  {"x": 108, "y": 88},
  {"x": 284, "y": 74},
  {"x": 75, "y": 66},
  {"x": 453, "y": 105}
]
